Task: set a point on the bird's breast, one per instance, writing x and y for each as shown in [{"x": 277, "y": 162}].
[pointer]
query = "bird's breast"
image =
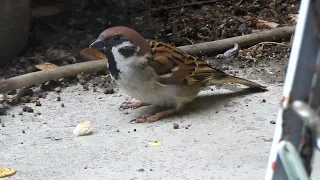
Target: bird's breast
[{"x": 144, "y": 87}]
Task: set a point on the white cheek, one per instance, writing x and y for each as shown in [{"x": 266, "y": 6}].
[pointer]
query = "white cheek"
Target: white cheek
[{"x": 125, "y": 64}]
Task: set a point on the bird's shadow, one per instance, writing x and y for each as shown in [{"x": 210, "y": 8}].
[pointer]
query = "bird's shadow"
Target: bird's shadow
[{"x": 206, "y": 101}]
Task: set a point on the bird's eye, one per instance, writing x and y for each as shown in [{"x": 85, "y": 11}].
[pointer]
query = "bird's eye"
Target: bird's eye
[{"x": 117, "y": 37}]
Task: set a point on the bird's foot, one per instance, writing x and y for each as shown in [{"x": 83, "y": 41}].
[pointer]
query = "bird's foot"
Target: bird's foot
[
  {"x": 156, "y": 117},
  {"x": 132, "y": 105}
]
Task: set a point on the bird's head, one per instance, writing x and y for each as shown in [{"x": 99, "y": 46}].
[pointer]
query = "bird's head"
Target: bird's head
[{"x": 123, "y": 44}]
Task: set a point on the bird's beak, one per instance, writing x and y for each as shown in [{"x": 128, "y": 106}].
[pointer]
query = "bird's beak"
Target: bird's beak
[{"x": 98, "y": 44}]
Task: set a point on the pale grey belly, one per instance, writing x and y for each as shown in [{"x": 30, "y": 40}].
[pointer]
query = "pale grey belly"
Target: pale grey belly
[{"x": 151, "y": 93}]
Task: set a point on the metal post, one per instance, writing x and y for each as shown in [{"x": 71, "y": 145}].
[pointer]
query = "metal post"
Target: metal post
[{"x": 300, "y": 84}]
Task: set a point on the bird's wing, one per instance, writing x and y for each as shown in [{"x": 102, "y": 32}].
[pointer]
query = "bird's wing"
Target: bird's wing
[{"x": 175, "y": 66}]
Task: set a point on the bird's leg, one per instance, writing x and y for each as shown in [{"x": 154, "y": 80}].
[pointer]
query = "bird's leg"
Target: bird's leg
[
  {"x": 132, "y": 105},
  {"x": 157, "y": 116}
]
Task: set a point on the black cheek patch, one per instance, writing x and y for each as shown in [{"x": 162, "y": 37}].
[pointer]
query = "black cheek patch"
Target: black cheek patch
[
  {"x": 113, "y": 66},
  {"x": 128, "y": 51}
]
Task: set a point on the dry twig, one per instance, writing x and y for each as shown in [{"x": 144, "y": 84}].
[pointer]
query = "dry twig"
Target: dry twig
[{"x": 184, "y": 5}]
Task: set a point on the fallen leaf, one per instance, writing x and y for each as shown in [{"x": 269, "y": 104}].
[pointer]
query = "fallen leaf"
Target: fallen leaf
[
  {"x": 6, "y": 172},
  {"x": 83, "y": 129},
  {"x": 92, "y": 52},
  {"x": 45, "y": 66},
  {"x": 154, "y": 143},
  {"x": 262, "y": 23}
]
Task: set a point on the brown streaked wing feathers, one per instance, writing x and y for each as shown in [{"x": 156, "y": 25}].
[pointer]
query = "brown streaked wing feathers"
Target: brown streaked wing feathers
[{"x": 175, "y": 66}]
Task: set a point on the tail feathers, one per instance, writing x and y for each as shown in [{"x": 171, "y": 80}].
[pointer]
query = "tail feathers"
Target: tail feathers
[{"x": 233, "y": 79}]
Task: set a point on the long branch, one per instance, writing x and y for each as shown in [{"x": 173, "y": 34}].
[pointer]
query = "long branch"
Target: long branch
[{"x": 214, "y": 47}]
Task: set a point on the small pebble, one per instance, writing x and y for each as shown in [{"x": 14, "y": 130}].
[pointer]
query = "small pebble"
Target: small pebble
[
  {"x": 108, "y": 90},
  {"x": 3, "y": 109},
  {"x": 62, "y": 105},
  {"x": 20, "y": 113},
  {"x": 85, "y": 87},
  {"x": 27, "y": 109},
  {"x": 117, "y": 130},
  {"x": 151, "y": 169},
  {"x": 13, "y": 115},
  {"x": 58, "y": 98},
  {"x": 2, "y": 125},
  {"x": 23, "y": 131},
  {"x": 38, "y": 103},
  {"x": 57, "y": 89},
  {"x": 82, "y": 81},
  {"x": 94, "y": 89},
  {"x": 272, "y": 122},
  {"x": 134, "y": 130},
  {"x": 85, "y": 167},
  {"x": 186, "y": 127},
  {"x": 12, "y": 92},
  {"x": 263, "y": 100},
  {"x": 128, "y": 131},
  {"x": 140, "y": 170},
  {"x": 175, "y": 126}
]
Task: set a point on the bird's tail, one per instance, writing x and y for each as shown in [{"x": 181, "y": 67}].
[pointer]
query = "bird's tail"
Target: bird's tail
[{"x": 233, "y": 79}]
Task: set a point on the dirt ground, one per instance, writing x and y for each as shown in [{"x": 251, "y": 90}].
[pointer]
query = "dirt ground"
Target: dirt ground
[{"x": 46, "y": 114}]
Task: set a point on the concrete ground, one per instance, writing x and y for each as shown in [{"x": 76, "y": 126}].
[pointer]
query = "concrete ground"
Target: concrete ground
[{"x": 224, "y": 134}]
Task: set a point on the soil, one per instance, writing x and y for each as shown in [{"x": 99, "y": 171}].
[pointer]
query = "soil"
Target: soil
[{"x": 58, "y": 37}]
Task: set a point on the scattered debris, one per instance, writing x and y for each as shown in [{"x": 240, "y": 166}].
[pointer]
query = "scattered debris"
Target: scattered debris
[
  {"x": 108, "y": 90},
  {"x": 45, "y": 66},
  {"x": 57, "y": 89},
  {"x": 92, "y": 54},
  {"x": 266, "y": 24},
  {"x": 3, "y": 109},
  {"x": 6, "y": 172},
  {"x": 83, "y": 129},
  {"x": 53, "y": 138},
  {"x": 154, "y": 143},
  {"x": 232, "y": 51},
  {"x": 38, "y": 103},
  {"x": 27, "y": 109},
  {"x": 140, "y": 170},
  {"x": 175, "y": 126}
]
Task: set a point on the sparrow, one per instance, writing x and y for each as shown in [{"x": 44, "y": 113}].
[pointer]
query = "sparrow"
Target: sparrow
[{"x": 157, "y": 73}]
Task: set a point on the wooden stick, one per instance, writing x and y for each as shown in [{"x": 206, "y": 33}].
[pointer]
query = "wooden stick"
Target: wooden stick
[
  {"x": 213, "y": 47},
  {"x": 184, "y": 5},
  {"x": 51, "y": 74}
]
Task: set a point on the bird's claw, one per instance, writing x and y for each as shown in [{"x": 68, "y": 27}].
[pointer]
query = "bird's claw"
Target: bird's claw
[
  {"x": 145, "y": 119},
  {"x": 131, "y": 105}
]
